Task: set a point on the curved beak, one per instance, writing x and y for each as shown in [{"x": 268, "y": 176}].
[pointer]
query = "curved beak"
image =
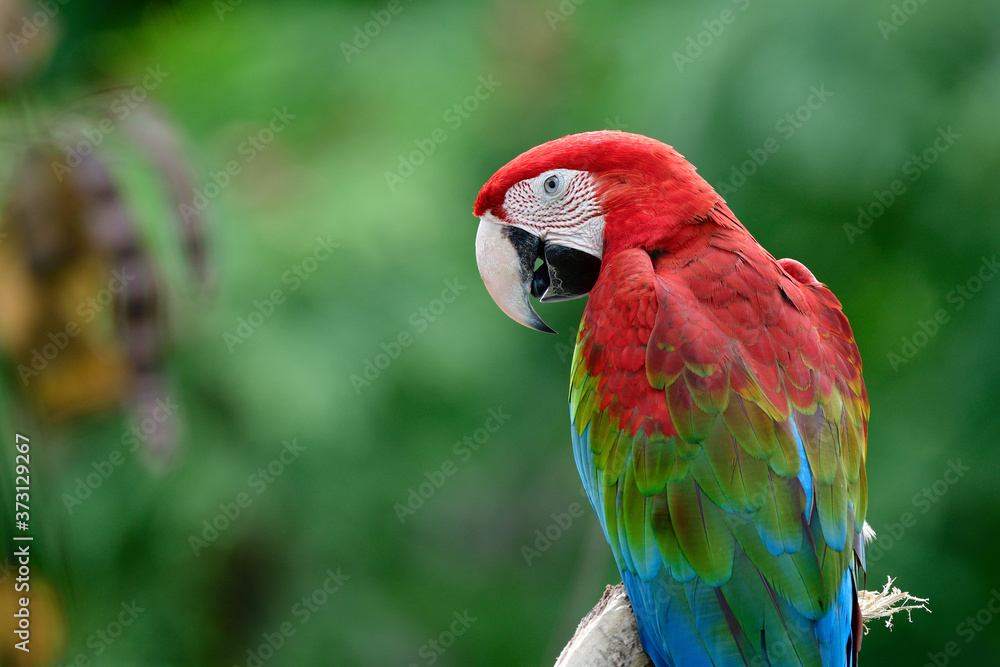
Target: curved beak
[{"x": 506, "y": 257}]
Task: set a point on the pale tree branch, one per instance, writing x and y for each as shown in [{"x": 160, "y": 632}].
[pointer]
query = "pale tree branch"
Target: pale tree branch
[{"x": 607, "y": 636}]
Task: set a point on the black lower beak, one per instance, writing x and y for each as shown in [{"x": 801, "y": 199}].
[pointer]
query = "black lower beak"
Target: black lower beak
[{"x": 566, "y": 273}]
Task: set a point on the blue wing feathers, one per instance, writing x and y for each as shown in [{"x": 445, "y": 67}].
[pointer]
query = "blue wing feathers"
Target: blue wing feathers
[{"x": 805, "y": 473}]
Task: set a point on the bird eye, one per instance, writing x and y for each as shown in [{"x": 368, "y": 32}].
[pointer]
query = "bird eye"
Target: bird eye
[{"x": 551, "y": 184}]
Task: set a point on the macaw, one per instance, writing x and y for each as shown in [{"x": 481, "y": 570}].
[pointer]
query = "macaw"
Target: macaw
[{"x": 718, "y": 413}]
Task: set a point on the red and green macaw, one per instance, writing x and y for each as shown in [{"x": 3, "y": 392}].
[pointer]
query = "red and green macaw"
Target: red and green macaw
[{"x": 719, "y": 417}]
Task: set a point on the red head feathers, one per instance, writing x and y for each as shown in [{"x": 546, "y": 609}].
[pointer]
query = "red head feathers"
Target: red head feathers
[{"x": 638, "y": 179}]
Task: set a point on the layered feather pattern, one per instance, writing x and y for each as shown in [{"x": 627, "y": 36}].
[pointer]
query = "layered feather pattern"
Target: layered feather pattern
[{"x": 720, "y": 424}]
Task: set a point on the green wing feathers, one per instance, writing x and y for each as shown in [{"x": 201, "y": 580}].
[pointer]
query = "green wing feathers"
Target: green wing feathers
[{"x": 722, "y": 443}]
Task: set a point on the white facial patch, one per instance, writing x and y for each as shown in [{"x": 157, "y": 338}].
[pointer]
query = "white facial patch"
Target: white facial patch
[{"x": 559, "y": 206}]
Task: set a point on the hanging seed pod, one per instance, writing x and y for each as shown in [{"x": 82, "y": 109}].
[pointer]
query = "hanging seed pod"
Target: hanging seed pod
[
  {"x": 80, "y": 298},
  {"x": 89, "y": 272},
  {"x": 140, "y": 316}
]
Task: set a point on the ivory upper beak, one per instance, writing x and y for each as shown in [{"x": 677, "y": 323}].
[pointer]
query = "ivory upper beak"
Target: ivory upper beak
[{"x": 507, "y": 272}]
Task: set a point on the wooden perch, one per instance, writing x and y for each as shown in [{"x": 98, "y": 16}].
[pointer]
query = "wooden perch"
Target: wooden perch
[{"x": 608, "y": 637}]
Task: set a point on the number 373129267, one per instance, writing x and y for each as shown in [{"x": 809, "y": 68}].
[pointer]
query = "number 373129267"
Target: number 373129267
[{"x": 22, "y": 480}]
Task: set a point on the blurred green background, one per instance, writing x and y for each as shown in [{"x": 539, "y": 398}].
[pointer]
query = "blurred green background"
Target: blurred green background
[{"x": 402, "y": 493}]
